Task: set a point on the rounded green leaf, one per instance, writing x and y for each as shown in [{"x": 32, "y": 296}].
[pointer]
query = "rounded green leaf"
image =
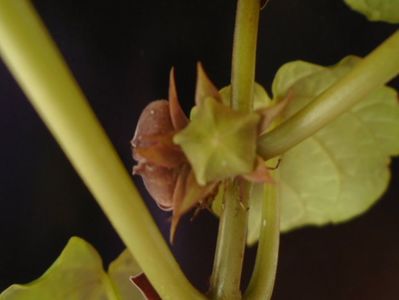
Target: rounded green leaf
[
  {"x": 339, "y": 172},
  {"x": 377, "y": 10},
  {"x": 342, "y": 170}
]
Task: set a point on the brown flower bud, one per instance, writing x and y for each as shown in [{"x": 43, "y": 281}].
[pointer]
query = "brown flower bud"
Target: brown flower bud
[{"x": 153, "y": 128}]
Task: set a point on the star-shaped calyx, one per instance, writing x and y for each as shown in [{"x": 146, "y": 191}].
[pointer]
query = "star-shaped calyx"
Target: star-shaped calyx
[{"x": 219, "y": 142}]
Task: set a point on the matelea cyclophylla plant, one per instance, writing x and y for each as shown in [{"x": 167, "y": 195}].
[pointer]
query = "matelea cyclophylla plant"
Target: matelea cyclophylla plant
[{"x": 337, "y": 128}]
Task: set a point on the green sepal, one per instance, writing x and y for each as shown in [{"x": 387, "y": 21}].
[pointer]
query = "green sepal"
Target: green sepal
[{"x": 219, "y": 142}]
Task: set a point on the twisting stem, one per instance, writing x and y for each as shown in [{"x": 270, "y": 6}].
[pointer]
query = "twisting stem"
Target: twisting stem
[
  {"x": 38, "y": 67},
  {"x": 226, "y": 276},
  {"x": 373, "y": 71}
]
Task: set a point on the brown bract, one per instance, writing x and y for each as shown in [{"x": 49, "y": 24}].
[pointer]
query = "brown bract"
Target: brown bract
[{"x": 162, "y": 165}]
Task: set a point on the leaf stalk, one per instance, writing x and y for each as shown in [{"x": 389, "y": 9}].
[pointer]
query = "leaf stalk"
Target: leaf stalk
[{"x": 375, "y": 70}]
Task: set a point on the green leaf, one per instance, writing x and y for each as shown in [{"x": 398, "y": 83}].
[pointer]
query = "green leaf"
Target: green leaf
[
  {"x": 219, "y": 142},
  {"x": 342, "y": 170},
  {"x": 119, "y": 272},
  {"x": 78, "y": 274},
  {"x": 377, "y": 10}
]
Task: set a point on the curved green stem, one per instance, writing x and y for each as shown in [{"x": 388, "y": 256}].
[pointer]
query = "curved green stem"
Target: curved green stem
[
  {"x": 226, "y": 275},
  {"x": 373, "y": 71},
  {"x": 38, "y": 67},
  {"x": 263, "y": 277}
]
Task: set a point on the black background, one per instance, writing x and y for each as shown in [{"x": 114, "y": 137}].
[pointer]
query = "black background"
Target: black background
[{"x": 121, "y": 53}]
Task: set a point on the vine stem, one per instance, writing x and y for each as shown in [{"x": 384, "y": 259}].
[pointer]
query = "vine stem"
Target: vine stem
[
  {"x": 373, "y": 71},
  {"x": 230, "y": 247},
  {"x": 263, "y": 277},
  {"x": 226, "y": 276},
  {"x": 38, "y": 67}
]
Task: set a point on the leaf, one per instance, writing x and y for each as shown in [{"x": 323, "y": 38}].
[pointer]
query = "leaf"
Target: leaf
[
  {"x": 120, "y": 270},
  {"x": 342, "y": 170},
  {"x": 377, "y": 10},
  {"x": 78, "y": 274},
  {"x": 219, "y": 142}
]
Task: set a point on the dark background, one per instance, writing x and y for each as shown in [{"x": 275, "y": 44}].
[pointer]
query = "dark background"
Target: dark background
[{"x": 121, "y": 54}]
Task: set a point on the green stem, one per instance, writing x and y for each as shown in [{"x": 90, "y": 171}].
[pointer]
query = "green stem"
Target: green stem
[
  {"x": 226, "y": 275},
  {"x": 262, "y": 281},
  {"x": 376, "y": 69},
  {"x": 244, "y": 54},
  {"x": 38, "y": 67}
]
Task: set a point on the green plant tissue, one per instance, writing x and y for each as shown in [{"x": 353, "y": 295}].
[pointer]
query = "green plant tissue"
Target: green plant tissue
[
  {"x": 342, "y": 170},
  {"x": 78, "y": 274},
  {"x": 377, "y": 10}
]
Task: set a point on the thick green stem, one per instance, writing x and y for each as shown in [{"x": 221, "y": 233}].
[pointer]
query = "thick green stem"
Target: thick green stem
[
  {"x": 226, "y": 275},
  {"x": 373, "y": 71},
  {"x": 38, "y": 67},
  {"x": 262, "y": 281},
  {"x": 244, "y": 54}
]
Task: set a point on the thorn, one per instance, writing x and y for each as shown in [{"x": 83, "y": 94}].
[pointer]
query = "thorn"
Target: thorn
[
  {"x": 177, "y": 115},
  {"x": 204, "y": 87}
]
